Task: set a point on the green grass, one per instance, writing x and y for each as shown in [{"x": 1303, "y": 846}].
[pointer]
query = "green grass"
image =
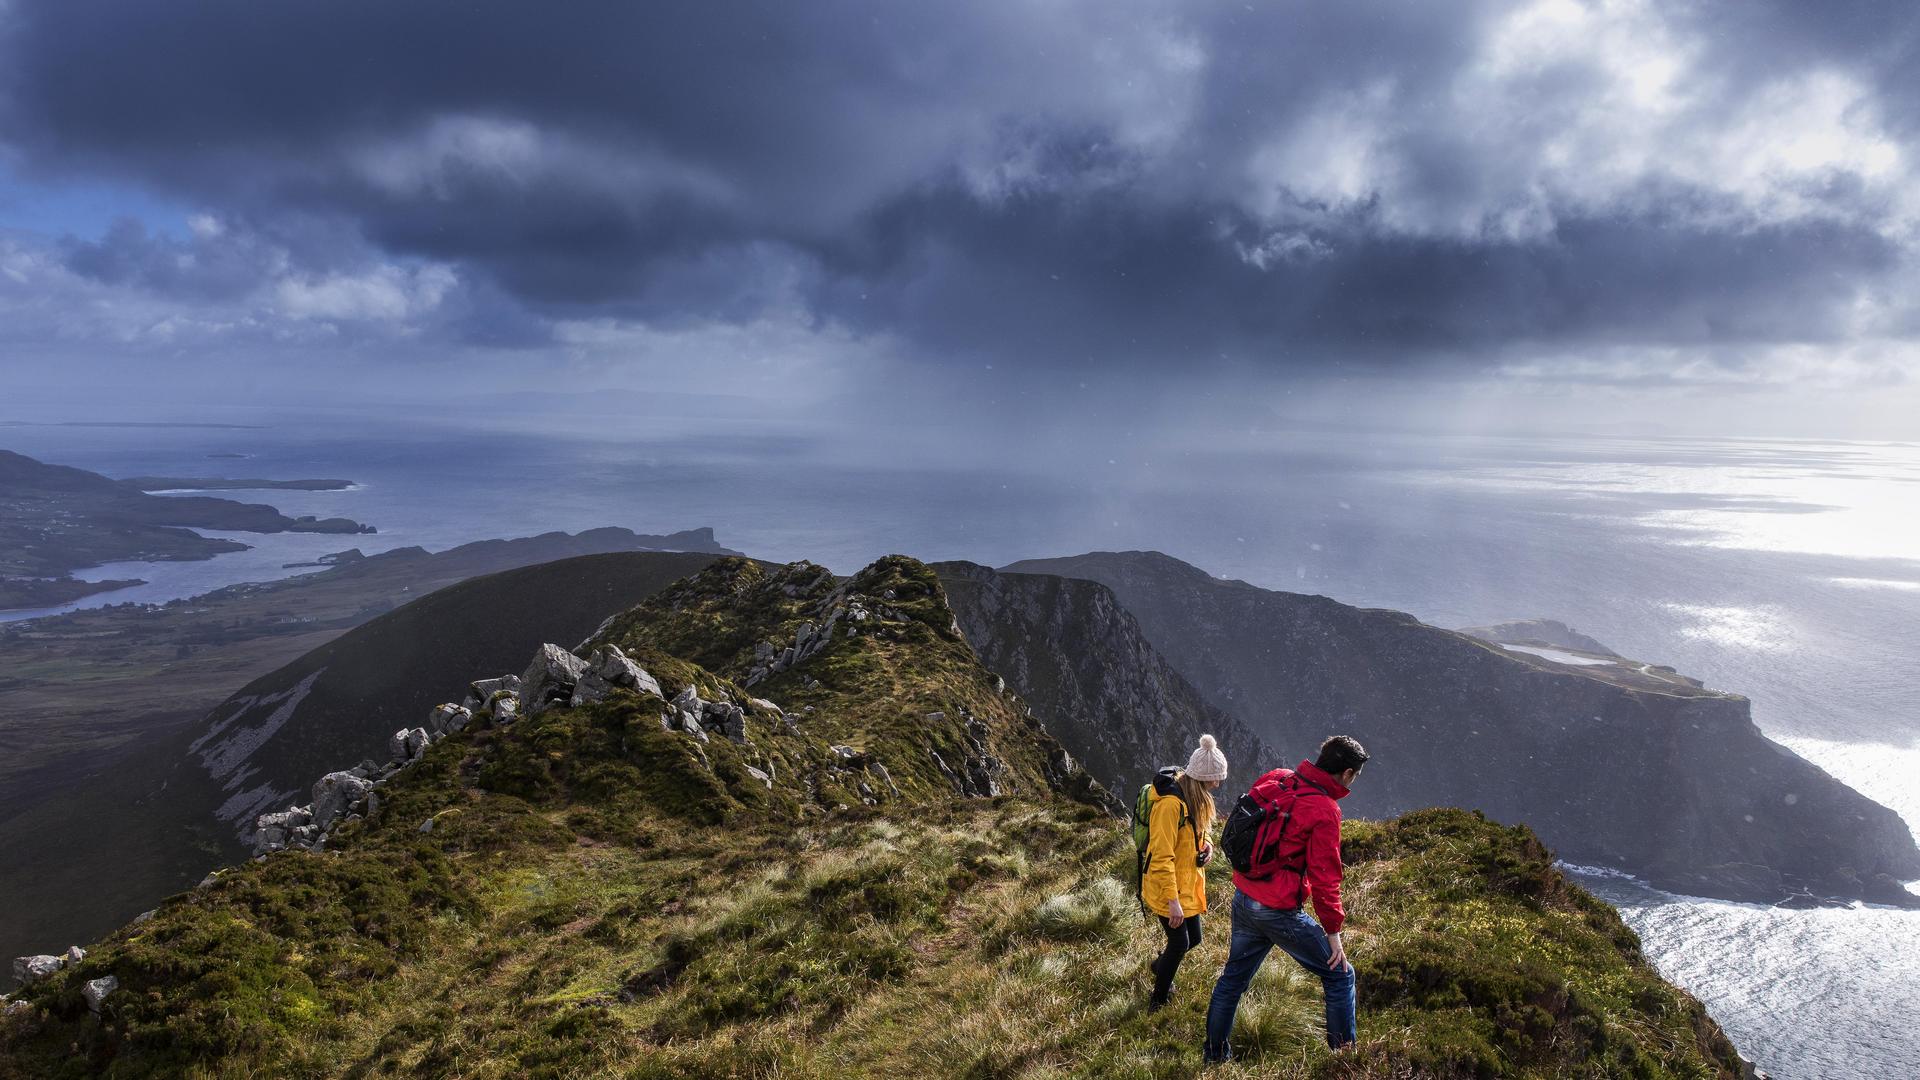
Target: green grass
[{"x": 601, "y": 898}]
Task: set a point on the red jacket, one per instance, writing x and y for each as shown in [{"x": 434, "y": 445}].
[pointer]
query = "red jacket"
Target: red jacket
[{"x": 1315, "y": 828}]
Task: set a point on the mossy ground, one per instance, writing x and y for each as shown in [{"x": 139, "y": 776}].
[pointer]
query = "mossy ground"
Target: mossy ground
[{"x": 602, "y": 898}]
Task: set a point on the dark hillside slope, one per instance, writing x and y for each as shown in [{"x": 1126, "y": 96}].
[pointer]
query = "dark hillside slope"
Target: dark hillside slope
[
  {"x": 1619, "y": 764},
  {"x": 159, "y": 818},
  {"x": 601, "y": 891},
  {"x": 341, "y": 701},
  {"x": 162, "y": 817},
  {"x": 1083, "y": 663}
]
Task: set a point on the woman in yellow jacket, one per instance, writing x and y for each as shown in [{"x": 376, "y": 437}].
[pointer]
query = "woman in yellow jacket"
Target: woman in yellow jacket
[{"x": 1173, "y": 884}]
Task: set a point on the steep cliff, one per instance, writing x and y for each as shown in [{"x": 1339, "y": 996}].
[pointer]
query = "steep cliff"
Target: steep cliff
[
  {"x": 1084, "y": 664},
  {"x": 1619, "y": 764}
]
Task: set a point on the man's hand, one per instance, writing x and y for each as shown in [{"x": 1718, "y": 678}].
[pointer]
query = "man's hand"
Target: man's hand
[
  {"x": 1175, "y": 916},
  {"x": 1339, "y": 958}
]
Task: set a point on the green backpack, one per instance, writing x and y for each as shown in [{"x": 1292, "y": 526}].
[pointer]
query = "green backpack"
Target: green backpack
[{"x": 1164, "y": 782}]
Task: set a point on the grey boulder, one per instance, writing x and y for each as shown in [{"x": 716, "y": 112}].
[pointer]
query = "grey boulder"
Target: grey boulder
[
  {"x": 403, "y": 746},
  {"x": 688, "y": 700},
  {"x": 486, "y": 688},
  {"x": 449, "y": 718},
  {"x": 273, "y": 831},
  {"x": 334, "y": 794},
  {"x": 503, "y": 707},
  {"x": 28, "y": 969},
  {"x": 590, "y": 688},
  {"x": 728, "y": 720},
  {"x": 96, "y": 991},
  {"x": 550, "y": 678},
  {"x": 613, "y": 665}
]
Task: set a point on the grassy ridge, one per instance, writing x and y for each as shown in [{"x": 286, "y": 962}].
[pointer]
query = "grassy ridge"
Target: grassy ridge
[{"x": 599, "y": 897}]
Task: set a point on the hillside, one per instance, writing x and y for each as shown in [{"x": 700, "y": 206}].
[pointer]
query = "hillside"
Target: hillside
[
  {"x": 152, "y": 819},
  {"x": 1616, "y": 763},
  {"x": 160, "y": 818},
  {"x": 76, "y": 689},
  {"x": 609, "y": 887}
]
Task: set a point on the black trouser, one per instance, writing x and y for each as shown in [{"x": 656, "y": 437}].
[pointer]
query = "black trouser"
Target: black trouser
[{"x": 1179, "y": 940}]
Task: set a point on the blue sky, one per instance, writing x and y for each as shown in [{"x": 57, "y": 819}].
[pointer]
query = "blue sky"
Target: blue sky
[{"x": 83, "y": 208}]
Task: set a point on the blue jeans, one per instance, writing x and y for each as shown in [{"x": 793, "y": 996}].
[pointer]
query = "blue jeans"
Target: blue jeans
[{"x": 1257, "y": 928}]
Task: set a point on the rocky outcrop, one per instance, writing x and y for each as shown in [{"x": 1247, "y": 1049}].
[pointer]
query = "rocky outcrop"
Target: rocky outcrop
[
  {"x": 555, "y": 678},
  {"x": 346, "y": 794},
  {"x": 156, "y": 816},
  {"x": 814, "y": 635},
  {"x": 31, "y": 969},
  {"x": 1082, "y": 662},
  {"x": 805, "y": 634},
  {"x": 1618, "y": 765},
  {"x": 26, "y": 969},
  {"x": 550, "y": 679}
]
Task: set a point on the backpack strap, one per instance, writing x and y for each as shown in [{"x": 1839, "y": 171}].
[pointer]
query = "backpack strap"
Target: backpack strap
[
  {"x": 1300, "y": 871},
  {"x": 1140, "y": 851}
]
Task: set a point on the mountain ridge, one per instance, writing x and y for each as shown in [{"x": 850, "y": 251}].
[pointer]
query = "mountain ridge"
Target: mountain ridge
[
  {"x": 599, "y": 887},
  {"x": 1522, "y": 737}
]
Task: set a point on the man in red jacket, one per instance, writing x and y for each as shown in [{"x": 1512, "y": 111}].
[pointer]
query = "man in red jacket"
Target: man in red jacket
[{"x": 1269, "y": 908}]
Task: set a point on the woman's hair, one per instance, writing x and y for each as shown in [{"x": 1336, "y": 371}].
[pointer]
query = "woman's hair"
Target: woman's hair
[{"x": 1199, "y": 804}]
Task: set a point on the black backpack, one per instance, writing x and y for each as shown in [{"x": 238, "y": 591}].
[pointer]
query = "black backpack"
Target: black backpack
[{"x": 1253, "y": 831}]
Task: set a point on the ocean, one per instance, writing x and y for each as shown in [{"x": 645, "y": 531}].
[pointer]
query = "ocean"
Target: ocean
[{"x": 1788, "y": 571}]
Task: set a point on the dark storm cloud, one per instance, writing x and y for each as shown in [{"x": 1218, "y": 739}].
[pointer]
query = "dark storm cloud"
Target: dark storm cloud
[{"x": 1061, "y": 183}]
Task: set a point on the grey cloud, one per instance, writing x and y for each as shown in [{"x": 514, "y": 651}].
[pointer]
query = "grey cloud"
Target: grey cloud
[{"x": 1055, "y": 184}]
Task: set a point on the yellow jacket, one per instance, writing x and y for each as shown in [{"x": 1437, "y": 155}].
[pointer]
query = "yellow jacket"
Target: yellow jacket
[{"x": 1172, "y": 859}]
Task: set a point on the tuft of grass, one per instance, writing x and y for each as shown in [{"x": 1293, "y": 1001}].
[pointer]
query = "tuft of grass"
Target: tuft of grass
[{"x": 1093, "y": 912}]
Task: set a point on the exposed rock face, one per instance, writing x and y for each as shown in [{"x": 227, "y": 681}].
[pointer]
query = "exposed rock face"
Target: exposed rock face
[
  {"x": 550, "y": 678},
  {"x": 614, "y": 667},
  {"x": 485, "y": 689},
  {"x": 803, "y": 634},
  {"x": 406, "y": 744},
  {"x": 96, "y": 991},
  {"x": 449, "y": 718},
  {"x": 335, "y": 794},
  {"x": 1083, "y": 663},
  {"x": 1616, "y": 765},
  {"x": 338, "y": 796},
  {"x": 28, "y": 968}
]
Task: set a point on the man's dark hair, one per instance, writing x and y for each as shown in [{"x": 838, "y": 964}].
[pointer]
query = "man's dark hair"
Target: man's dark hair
[{"x": 1340, "y": 753}]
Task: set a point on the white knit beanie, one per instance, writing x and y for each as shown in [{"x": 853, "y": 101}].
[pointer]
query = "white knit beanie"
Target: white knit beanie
[{"x": 1207, "y": 763}]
